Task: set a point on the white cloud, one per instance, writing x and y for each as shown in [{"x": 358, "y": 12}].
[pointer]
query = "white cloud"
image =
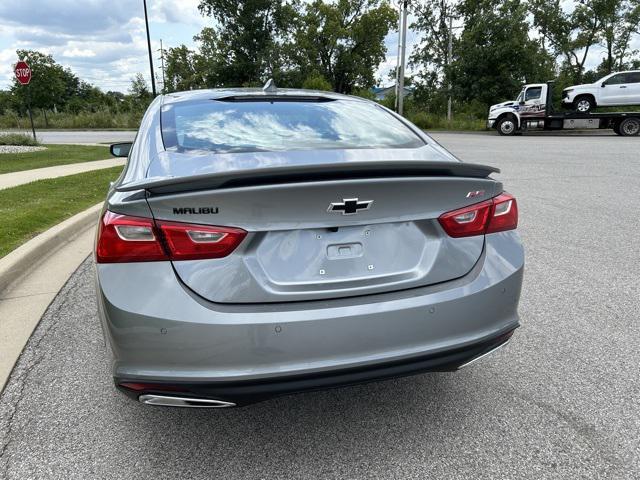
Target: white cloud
[
  {"x": 77, "y": 52},
  {"x": 177, "y": 11},
  {"x": 102, "y": 41}
]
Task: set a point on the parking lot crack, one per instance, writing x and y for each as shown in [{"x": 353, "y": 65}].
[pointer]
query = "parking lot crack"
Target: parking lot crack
[{"x": 585, "y": 430}]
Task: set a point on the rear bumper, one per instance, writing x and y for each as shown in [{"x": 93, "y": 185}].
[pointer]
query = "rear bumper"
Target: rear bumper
[
  {"x": 242, "y": 393},
  {"x": 159, "y": 331}
]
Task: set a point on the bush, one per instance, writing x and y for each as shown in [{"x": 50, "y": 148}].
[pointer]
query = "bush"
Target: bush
[
  {"x": 102, "y": 118},
  {"x": 18, "y": 139},
  {"x": 364, "y": 93},
  {"x": 316, "y": 82},
  {"x": 427, "y": 121}
]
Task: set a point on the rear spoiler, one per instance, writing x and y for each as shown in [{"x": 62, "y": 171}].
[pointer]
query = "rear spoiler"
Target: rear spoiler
[{"x": 308, "y": 173}]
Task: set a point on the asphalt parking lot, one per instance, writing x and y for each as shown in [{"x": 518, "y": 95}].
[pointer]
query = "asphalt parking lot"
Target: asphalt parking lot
[{"x": 561, "y": 401}]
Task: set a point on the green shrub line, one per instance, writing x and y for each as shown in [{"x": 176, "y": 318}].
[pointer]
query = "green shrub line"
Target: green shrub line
[
  {"x": 107, "y": 120},
  {"x": 426, "y": 121},
  {"x": 63, "y": 120},
  {"x": 18, "y": 139}
]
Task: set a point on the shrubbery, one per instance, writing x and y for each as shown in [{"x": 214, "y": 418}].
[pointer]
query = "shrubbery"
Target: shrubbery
[
  {"x": 18, "y": 139},
  {"x": 102, "y": 118}
]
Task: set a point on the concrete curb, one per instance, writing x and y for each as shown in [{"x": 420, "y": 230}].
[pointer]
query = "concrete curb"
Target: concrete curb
[{"x": 28, "y": 256}]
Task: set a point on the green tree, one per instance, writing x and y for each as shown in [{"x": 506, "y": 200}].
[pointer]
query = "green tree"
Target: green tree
[
  {"x": 247, "y": 41},
  {"x": 495, "y": 55},
  {"x": 180, "y": 70},
  {"x": 343, "y": 41},
  {"x": 316, "y": 82},
  {"x": 588, "y": 19},
  {"x": 571, "y": 34},
  {"x": 51, "y": 84},
  {"x": 621, "y": 21},
  {"x": 139, "y": 87},
  {"x": 432, "y": 21},
  {"x": 6, "y": 102},
  {"x": 139, "y": 92}
]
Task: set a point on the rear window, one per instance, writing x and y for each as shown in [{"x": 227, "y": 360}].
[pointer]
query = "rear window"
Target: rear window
[{"x": 268, "y": 125}]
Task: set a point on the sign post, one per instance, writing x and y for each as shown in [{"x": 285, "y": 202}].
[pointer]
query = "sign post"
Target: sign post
[{"x": 23, "y": 75}]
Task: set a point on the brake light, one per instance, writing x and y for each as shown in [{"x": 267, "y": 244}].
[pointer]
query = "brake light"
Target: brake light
[
  {"x": 193, "y": 242},
  {"x": 122, "y": 238},
  {"x": 504, "y": 215},
  {"x": 495, "y": 215}
]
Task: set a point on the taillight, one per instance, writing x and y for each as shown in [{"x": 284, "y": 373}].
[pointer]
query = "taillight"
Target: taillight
[
  {"x": 504, "y": 215},
  {"x": 193, "y": 242},
  {"x": 495, "y": 215},
  {"x": 123, "y": 238}
]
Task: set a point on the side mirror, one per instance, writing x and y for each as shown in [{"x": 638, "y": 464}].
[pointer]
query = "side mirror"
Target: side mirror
[
  {"x": 120, "y": 149},
  {"x": 522, "y": 102},
  {"x": 604, "y": 84}
]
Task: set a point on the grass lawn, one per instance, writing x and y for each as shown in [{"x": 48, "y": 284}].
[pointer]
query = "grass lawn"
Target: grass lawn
[
  {"x": 30, "y": 209},
  {"x": 53, "y": 155}
]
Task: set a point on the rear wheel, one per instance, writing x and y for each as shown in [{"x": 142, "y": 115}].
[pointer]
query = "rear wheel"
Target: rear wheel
[
  {"x": 629, "y": 127},
  {"x": 584, "y": 104},
  {"x": 506, "y": 126}
]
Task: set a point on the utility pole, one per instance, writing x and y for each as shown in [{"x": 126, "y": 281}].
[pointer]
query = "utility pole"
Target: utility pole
[
  {"x": 162, "y": 62},
  {"x": 403, "y": 49},
  {"x": 449, "y": 53},
  {"x": 398, "y": 55},
  {"x": 146, "y": 22}
]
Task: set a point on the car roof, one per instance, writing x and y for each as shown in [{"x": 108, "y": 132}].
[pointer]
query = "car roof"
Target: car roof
[
  {"x": 622, "y": 71},
  {"x": 219, "y": 93}
]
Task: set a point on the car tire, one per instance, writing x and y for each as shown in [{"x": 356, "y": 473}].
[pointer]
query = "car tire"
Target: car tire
[
  {"x": 507, "y": 126},
  {"x": 584, "y": 104},
  {"x": 629, "y": 127}
]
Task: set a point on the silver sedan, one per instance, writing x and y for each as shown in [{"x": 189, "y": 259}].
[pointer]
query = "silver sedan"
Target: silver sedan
[{"x": 263, "y": 242}]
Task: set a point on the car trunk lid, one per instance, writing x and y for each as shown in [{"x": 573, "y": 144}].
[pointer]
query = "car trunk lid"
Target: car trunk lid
[{"x": 326, "y": 231}]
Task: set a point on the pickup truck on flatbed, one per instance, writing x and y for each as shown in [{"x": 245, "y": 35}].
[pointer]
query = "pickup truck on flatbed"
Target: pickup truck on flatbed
[{"x": 533, "y": 109}]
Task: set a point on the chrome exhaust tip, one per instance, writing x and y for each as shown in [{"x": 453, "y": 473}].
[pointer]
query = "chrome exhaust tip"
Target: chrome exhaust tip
[
  {"x": 168, "y": 401},
  {"x": 486, "y": 354}
]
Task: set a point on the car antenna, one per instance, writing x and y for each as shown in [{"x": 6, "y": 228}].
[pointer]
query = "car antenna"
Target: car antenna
[{"x": 270, "y": 86}]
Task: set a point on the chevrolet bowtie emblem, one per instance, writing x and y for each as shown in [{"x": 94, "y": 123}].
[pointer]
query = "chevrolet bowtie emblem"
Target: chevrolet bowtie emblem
[{"x": 350, "y": 206}]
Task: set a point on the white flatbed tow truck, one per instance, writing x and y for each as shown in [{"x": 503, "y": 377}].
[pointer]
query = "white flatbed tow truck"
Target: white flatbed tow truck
[{"x": 533, "y": 110}]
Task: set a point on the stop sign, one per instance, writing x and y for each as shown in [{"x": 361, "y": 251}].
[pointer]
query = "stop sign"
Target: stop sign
[{"x": 23, "y": 72}]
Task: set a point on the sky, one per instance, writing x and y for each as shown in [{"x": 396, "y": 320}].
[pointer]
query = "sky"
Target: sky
[{"x": 104, "y": 42}]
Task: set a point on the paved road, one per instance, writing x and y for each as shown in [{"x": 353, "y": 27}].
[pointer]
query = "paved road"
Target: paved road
[
  {"x": 560, "y": 402},
  {"x": 84, "y": 136}
]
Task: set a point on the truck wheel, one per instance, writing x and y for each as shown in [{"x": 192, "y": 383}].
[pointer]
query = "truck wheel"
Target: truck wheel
[
  {"x": 584, "y": 104},
  {"x": 506, "y": 126},
  {"x": 630, "y": 127}
]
